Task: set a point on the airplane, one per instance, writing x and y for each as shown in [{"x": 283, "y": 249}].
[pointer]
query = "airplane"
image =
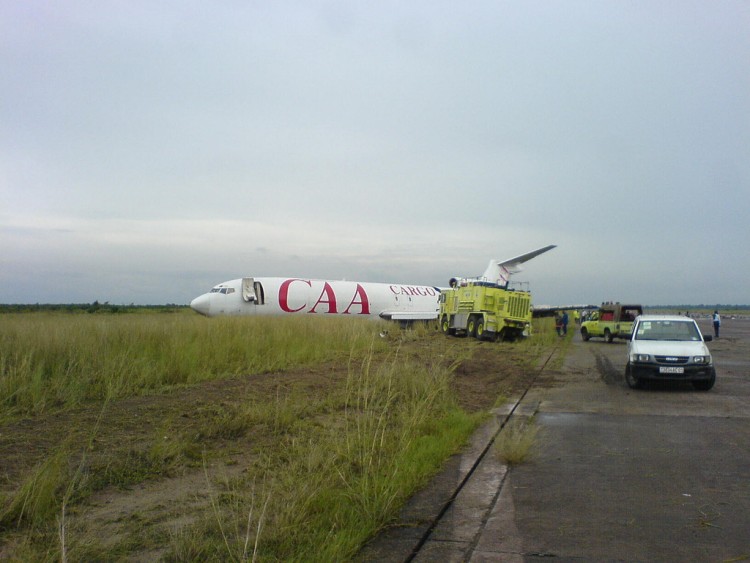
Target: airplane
[{"x": 391, "y": 301}]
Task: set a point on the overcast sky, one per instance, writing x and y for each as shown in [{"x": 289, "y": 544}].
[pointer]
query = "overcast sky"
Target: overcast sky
[{"x": 150, "y": 150}]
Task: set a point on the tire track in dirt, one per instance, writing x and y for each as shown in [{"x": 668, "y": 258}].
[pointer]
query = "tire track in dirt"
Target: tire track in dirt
[{"x": 607, "y": 372}]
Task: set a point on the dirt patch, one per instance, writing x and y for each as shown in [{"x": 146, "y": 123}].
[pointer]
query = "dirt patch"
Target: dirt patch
[
  {"x": 132, "y": 422},
  {"x": 486, "y": 376}
]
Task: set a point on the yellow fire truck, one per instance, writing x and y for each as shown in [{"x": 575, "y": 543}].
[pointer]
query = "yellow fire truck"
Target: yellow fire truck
[
  {"x": 484, "y": 310},
  {"x": 486, "y": 307}
]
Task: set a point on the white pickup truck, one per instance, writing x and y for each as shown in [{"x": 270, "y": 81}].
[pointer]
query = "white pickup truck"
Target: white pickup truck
[{"x": 669, "y": 347}]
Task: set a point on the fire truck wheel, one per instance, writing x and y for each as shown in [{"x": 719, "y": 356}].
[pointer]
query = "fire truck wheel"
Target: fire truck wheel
[
  {"x": 480, "y": 329},
  {"x": 471, "y": 327}
]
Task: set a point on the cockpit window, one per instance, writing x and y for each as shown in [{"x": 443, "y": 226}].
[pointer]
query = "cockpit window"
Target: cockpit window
[{"x": 224, "y": 290}]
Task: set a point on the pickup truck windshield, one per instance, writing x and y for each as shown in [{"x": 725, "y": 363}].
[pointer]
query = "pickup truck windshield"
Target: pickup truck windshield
[{"x": 668, "y": 330}]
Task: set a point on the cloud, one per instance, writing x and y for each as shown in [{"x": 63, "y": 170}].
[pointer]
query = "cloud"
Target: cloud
[{"x": 162, "y": 149}]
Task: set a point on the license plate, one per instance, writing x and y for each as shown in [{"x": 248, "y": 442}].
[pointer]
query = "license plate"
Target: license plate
[{"x": 671, "y": 370}]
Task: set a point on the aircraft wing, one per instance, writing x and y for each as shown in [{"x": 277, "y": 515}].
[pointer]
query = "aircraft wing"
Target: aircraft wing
[{"x": 549, "y": 310}]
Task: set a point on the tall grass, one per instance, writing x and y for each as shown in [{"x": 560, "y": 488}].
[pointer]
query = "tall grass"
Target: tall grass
[
  {"x": 327, "y": 488},
  {"x": 58, "y": 361},
  {"x": 330, "y": 470},
  {"x": 344, "y": 463}
]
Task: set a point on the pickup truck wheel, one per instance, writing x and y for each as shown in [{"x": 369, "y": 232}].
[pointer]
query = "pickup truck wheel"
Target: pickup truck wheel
[
  {"x": 585, "y": 334},
  {"x": 632, "y": 381},
  {"x": 706, "y": 384},
  {"x": 608, "y": 336}
]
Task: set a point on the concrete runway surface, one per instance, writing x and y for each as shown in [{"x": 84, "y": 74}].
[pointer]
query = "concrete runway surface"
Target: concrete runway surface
[{"x": 659, "y": 474}]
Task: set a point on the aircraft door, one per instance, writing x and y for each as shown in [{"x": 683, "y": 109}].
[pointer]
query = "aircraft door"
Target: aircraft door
[
  {"x": 252, "y": 291},
  {"x": 248, "y": 290},
  {"x": 403, "y": 302}
]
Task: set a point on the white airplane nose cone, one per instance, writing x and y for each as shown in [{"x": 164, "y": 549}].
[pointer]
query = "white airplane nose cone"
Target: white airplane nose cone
[{"x": 201, "y": 304}]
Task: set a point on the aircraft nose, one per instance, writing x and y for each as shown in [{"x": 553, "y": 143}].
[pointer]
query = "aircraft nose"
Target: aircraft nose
[{"x": 201, "y": 304}]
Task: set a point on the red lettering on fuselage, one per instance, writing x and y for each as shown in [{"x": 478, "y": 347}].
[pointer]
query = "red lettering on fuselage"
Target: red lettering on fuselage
[
  {"x": 328, "y": 292},
  {"x": 284, "y": 296},
  {"x": 327, "y": 297},
  {"x": 364, "y": 302},
  {"x": 413, "y": 290}
]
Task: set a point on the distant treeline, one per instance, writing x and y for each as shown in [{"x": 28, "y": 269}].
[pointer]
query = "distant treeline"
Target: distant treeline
[{"x": 95, "y": 307}]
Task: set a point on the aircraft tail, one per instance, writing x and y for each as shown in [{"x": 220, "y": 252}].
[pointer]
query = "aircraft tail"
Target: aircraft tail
[{"x": 499, "y": 272}]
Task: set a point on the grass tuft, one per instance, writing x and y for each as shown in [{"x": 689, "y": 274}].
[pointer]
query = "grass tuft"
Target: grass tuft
[
  {"x": 514, "y": 445},
  {"x": 40, "y": 496}
]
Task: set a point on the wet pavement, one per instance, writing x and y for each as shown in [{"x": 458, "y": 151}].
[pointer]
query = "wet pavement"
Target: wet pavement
[{"x": 660, "y": 474}]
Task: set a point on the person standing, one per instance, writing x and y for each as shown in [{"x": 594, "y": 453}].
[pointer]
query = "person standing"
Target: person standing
[
  {"x": 717, "y": 323},
  {"x": 565, "y": 323}
]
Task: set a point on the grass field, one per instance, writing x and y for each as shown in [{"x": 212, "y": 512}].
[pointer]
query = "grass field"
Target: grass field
[
  {"x": 53, "y": 361},
  {"x": 175, "y": 437}
]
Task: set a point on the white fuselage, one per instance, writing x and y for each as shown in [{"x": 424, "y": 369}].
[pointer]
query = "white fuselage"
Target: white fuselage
[{"x": 278, "y": 296}]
